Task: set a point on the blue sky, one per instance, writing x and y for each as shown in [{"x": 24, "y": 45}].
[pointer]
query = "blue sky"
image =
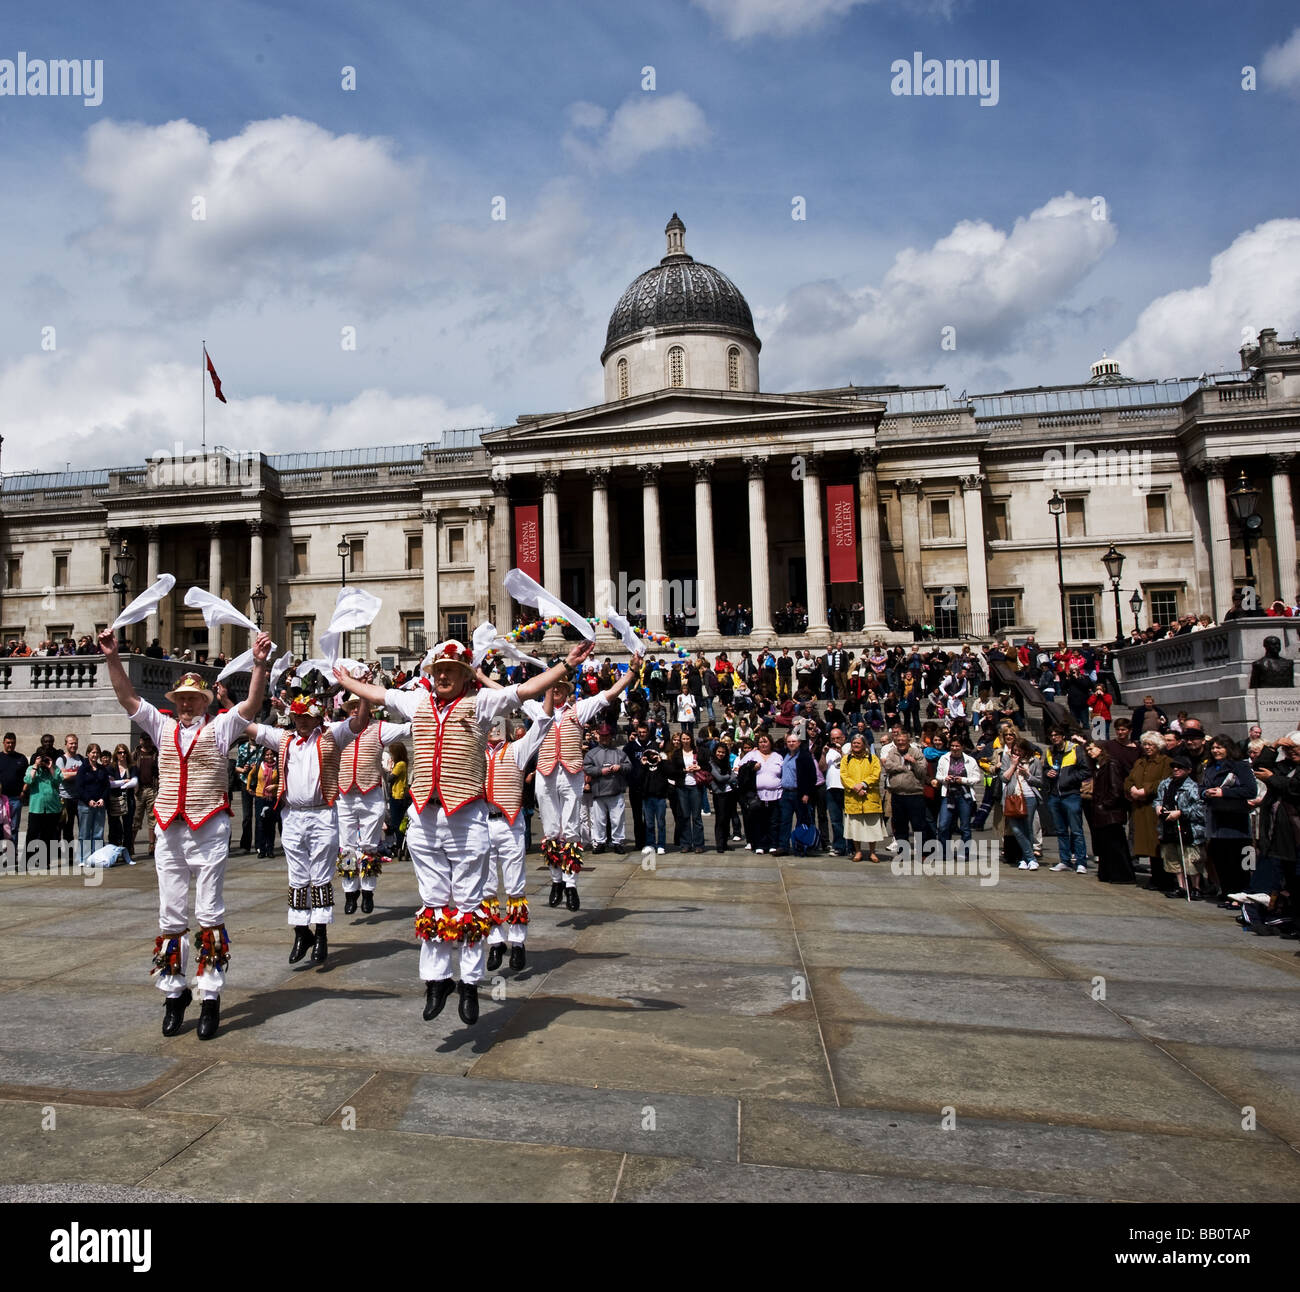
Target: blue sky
[{"x": 371, "y": 209}]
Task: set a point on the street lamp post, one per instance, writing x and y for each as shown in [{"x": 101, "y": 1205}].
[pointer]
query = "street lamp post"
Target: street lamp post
[
  {"x": 125, "y": 564},
  {"x": 1114, "y": 563},
  {"x": 1245, "y": 501},
  {"x": 1056, "y": 505},
  {"x": 344, "y": 550},
  {"x": 1135, "y": 605},
  {"x": 259, "y": 605}
]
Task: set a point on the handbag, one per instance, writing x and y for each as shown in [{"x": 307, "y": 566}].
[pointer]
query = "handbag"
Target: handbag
[
  {"x": 806, "y": 836},
  {"x": 1013, "y": 805}
]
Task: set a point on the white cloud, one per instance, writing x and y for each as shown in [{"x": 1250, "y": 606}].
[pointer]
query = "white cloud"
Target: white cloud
[
  {"x": 1279, "y": 69},
  {"x": 985, "y": 283},
  {"x": 644, "y": 123},
  {"x": 1254, "y": 283},
  {"x": 742, "y": 19}
]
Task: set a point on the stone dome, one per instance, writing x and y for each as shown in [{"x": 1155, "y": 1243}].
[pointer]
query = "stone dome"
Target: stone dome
[{"x": 680, "y": 294}]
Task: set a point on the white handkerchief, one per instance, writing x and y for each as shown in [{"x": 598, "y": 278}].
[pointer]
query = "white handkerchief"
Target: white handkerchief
[
  {"x": 240, "y": 664},
  {"x": 529, "y": 592},
  {"x": 487, "y": 639},
  {"x": 625, "y": 631},
  {"x": 277, "y": 669},
  {"x": 354, "y": 609},
  {"x": 216, "y": 610},
  {"x": 143, "y": 606}
]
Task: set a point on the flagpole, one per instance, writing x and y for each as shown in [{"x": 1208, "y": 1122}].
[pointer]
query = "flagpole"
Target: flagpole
[{"x": 203, "y": 388}]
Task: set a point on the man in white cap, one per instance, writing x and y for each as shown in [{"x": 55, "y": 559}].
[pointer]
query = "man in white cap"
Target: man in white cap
[
  {"x": 360, "y": 806},
  {"x": 560, "y": 778},
  {"x": 447, "y": 833},
  {"x": 192, "y": 835},
  {"x": 309, "y": 783}
]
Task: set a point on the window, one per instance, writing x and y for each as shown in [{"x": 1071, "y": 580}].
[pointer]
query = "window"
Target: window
[
  {"x": 299, "y": 557},
  {"x": 1083, "y": 616},
  {"x": 884, "y": 522},
  {"x": 1162, "y": 605},
  {"x": 415, "y": 551},
  {"x": 413, "y": 634},
  {"x": 944, "y": 614},
  {"x": 997, "y": 522},
  {"x": 733, "y": 369},
  {"x": 456, "y": 547},
  {"x": 14, "y": 572},
  {"x": 940, "y": 521},
  {"x": 1075, "y": 524},
  {"x": 61, "y": 569},
  {"x": 458, "y": 626},
  {"x": 1004, "y": 611},
  {"x": 356, "y": 644},
  {"x": 57, "y": 632},
  {"x": 300, "y": 637},
  {"x": 677, "y": 366},
  {"x": 104, "y": 576},
  {"x": 622, "y": 378},
  {"x": 891, "y": 605},
  {"x": 1157, "y": 514},
  {"x": 357, "y": 559}
]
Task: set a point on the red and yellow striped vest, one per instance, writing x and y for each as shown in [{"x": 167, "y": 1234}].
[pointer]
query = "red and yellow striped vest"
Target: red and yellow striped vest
[
  {"x": 562, "y": 744},
  {"x": 505, "y": 782},
  {"x": 193, "y": 785},
  {"x": 449, "y": 754},
  {"x": 327, "y": 760},
  {"x": 361, "y": 768}
]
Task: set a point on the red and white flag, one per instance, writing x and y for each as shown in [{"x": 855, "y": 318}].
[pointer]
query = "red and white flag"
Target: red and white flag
[{"x": 212, "y": 372}]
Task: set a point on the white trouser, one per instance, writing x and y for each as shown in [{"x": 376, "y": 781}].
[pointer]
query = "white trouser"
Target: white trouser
[
  {"x": 361, "y": 828},
  {"x": 180, "y": 852},
  {"x": 506, "y": 849},
  {"x": 310, "y": 837},
  {"x": 584, "y": 820},
  {"x": 450, "y": 856},
  {"x": 607, "y": 819},
  {"x": 559, "y": 799}
]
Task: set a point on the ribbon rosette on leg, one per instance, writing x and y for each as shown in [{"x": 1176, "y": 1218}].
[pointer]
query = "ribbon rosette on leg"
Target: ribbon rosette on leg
[
  {"x": 347, "y": 864},
  {"x": 492, "y": 910},
  {"x": 213, "y": 947},
  {"x": 516, "y": 910},
  {"x": 426, "y": 924},
  {"x": 372, "y": 864},
  {"x": 167, "y": 953},
  {"x": 570, "y": 860}
]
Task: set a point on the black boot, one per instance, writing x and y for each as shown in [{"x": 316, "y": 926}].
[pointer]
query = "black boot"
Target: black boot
[
  {"x": 571, "y": 897},
  {"x": 495, "y": 952},
  {"x": 174, "y": 1013},
  {"x": 367, "y": 901},
  {"x": 468, "y": 1009},
  {"x": 435, "y": 997},
  {"x": 557, "y": 894},
  {"x": 321, "y": 947},
  {"x": 302, "y": 940},
  {"x": 209, "y": 1018},
  {"x": 517, "y": 958},
  {"x": 349, "y": 903}
]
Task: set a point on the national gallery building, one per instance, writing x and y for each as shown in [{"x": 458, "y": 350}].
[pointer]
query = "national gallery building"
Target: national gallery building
[{"x": 690, "y": 486}]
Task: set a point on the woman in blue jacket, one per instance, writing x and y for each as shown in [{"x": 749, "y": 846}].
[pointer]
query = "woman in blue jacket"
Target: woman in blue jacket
[
  {"x": 1226, "y": 784},
  {"x": 90, "y": 788}
]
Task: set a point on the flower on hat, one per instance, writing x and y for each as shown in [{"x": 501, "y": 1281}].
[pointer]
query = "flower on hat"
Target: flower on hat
[{"x": 308, "y": 705}]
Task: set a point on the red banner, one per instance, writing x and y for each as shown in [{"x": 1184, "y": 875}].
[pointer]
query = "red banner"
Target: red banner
[
  {"x": 528, "y": 542},
  {"x": 843, "y": 533}
]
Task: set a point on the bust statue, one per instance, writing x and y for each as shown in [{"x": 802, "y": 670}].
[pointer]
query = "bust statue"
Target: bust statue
[{"x": 1270, "y": 669}]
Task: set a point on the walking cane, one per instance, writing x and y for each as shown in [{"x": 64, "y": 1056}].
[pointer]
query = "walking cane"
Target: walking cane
[{"x": 1182, "y": 860}]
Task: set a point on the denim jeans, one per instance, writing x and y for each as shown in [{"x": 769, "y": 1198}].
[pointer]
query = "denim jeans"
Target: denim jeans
[
  {"x": 951, "y": 808},
  {"x": 692, "y": 822},
  {"x": 1022, "y": 827},
  {"x": 90, "y": 829},
  {"x": 656, "y": 822},
  {"x": 1067, "y": 816},
  {"x": 15, "y": 815},
  {"x": 835, "y": 810}
]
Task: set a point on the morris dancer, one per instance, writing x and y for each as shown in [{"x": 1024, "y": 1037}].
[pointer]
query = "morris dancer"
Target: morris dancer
[
  {"x": 192, "y": 835},
  {"x": 560, "y": 779},
  {"x": 448, "y": 834},
  {"x": 361, "y": 806},
  {"x": 309, "y": 832}
]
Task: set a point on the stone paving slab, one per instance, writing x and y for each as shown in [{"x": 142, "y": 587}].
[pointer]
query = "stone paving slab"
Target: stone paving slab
[
  {"x": 866, "y": 894},
  {"x": 673, "y": 941},
  {"x": 1266, "y": 1080},
  {"x": 62, "y": 1071},
  {"x": 645, "y": 1122},
  {"x": 917, "y": 953},
  {"x": 1117, "y": 1165},
  {"x": 1140, "y": 930},
  {"x": 830, "y": 918},
  {"x": 1247, "y": 967},
  {"x": 300, "y": 1093},
  {"x": 640, "y": 912},
  {"x": 1209, "y": 1016}
]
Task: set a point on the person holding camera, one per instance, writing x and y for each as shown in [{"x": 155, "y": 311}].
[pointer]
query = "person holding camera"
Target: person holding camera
[
  {"x": 42, "y": 781},
  {"x": 654, "y": 797}
]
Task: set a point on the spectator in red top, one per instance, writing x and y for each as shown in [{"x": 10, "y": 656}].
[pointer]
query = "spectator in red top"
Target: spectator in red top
[
  {"x": 1279, "y": 610},
  {"x": 1099, "y": 702}
]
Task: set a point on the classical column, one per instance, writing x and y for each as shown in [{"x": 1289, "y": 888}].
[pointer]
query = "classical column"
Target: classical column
[
  {"x": 256, "y": 571},
  {"x": 604, "y": 593},
  {"x": 151, "y": 624},
  {"x": 977, "y": 569},
  {"x": 478, "y": 520},
  {"x": 913, "y": 582},
  {"x": 873, "y": 589},
  {"x": 429, "y": 542},
  {"x": 814, "y": 556},
  {"x": 759, "y": 572},
  {"x": 500, "y": 600},
  {"x": 706, "y": 586},
  {"x": 214, "y": 580},
  {"x": 551, "y": 543},
  {"x": 654, "y": 561},
  {"x": 1284, "y": 527},
  {"x": 1220, "y": 536}
]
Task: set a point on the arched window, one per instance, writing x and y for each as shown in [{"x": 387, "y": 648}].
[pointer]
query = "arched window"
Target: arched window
[
  {"x": 622, "y": 378},
  {"x": 733, "y": 369},
  {"x": 677, "y": 366}
]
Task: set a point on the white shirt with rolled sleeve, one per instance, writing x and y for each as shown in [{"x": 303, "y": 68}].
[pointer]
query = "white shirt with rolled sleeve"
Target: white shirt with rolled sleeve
[
  {"x": 489, "y": 704},
  {"x": 226, "y": 727},
  {"x": 302, "y": 788}
]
